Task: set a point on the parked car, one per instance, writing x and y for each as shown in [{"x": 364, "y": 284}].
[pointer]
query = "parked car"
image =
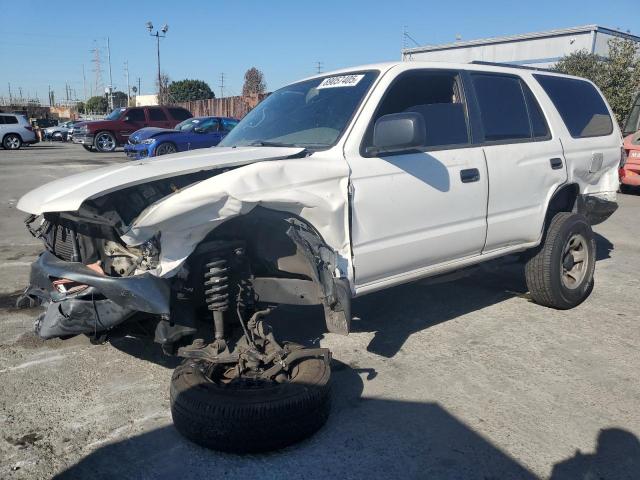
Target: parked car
[
  {"x": 333, "y": 187},
  {"x": 632, "y": 123},
  {"x": 60, "y": 132},
  {"x": 630, "y": 170},
  {"x": 105, "y": 135},
  {"x": 15, "y": 131},
  {"x": 191, "y": 134}
]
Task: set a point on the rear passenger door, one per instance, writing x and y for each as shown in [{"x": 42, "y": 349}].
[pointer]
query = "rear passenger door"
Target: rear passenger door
[
  {"x": 158, "y": 118},
  {"x": 524, "y": 161},
  {"x": 135, "y": 119}
]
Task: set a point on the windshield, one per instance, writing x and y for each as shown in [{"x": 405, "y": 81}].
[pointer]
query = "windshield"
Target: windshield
[
  {"x": 114, "y": 115},
  {"x": 306, "y": 114},
  {"x": 188, "y": 124}
]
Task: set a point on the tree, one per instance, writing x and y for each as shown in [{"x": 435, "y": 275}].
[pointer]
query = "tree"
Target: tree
[
  {"x": 97, "y": 105},
  {"x": 618, "y": 75},
  {"x": 253, "y": 82},
  {"x": 119, "y": 99},
  {"x": 163, "y": 88},
  {"x": 187, "y": 90},
  {"x": 80, "y": 107}
]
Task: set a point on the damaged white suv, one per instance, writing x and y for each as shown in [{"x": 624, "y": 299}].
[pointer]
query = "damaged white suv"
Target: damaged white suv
[{"x": 333, "y": 187}]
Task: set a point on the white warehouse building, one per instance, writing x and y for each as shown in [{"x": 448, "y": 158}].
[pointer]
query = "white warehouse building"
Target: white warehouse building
[{"x": 541, "y": 49}]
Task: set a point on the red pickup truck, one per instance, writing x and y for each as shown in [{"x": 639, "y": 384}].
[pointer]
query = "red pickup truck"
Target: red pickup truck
[{"x": 105, "y": 135}]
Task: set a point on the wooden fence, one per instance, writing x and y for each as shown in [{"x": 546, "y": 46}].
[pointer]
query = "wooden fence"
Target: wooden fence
[{"x": 235, "y": 107}]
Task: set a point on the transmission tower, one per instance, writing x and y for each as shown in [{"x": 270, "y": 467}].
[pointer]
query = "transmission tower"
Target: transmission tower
[
  {"x": 221, "y": 85},
  {"x": 97, "y": 70},
  {"x": 319, "y": 67}
]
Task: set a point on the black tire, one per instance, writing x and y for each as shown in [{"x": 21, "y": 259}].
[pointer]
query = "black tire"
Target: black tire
[
  {"x": 547, "y": 271},
  {"x": 88, "y": 148},
  {"x": 104, "y": 142},
  {"x": 250, "y": 420},
  {"x": 12, "y": 141},
  {"x": 165, "y": 148}
]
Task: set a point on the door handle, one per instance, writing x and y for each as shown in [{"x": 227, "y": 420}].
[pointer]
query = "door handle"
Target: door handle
[
  {"x": 556, "y": 163},
  {"x": 470, "y": 175}
]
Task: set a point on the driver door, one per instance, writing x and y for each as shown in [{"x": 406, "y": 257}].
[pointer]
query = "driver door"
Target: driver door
[
  {"x": 416, "y": 209},
  {"x": 134, "y": 120}
]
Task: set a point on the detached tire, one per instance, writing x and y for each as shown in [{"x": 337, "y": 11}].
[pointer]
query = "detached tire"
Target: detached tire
[
  {"x": 251, "y": 419},
  {"x": 560, "y": 274}
]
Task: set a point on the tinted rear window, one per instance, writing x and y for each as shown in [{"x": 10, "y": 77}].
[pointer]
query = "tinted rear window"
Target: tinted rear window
[
  {"x": 502, "y": 107},
  {"x": 156, "y": 114},
  {"x": 580, "y": 105},
  {"x": 9, "y": 119},
  {"x": 180, "y": 113}
]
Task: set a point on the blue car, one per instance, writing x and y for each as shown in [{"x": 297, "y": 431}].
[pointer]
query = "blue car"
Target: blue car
[{"x": 201, "y": 132}]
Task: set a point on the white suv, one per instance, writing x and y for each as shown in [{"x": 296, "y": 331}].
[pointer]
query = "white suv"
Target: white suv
[
  {"x": 15, "y": 131},
  {"x": 333, "y": 187}
]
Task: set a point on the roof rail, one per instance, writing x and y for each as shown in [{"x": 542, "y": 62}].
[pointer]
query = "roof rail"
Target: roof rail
[{"x": 524, "y": 67}]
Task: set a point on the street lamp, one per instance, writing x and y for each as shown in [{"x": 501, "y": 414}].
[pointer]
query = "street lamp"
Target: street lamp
[{"x": 158, "y": 35}]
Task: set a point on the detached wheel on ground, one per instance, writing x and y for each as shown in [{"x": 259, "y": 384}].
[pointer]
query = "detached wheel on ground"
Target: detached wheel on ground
[
  {"x": 560, "y": 273},
  {"x": 249, "y": 415},
  {"x": 165, "y": 149},
  {"x": 12, "y": 142},
  {"x": 104, "y": 142}
]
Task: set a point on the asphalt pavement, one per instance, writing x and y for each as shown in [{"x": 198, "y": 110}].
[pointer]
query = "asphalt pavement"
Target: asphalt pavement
[{"x": 465, "y": 379}]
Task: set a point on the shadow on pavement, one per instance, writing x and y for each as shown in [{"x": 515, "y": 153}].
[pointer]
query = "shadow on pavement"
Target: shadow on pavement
[{"x": 371, "y": 438}]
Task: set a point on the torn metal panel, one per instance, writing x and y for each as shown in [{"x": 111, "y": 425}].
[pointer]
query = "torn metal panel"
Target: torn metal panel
[{"x": 313, "y": 188}]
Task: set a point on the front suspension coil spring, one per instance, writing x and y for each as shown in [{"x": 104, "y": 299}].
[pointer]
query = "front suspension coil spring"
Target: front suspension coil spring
[{"x": 216, "y": 285}]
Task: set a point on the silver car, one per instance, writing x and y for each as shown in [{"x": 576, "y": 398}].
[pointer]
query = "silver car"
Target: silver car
[{"x": 15, "y": 131}]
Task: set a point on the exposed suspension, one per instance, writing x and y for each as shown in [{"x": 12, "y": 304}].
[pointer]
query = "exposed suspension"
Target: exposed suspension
[{"x": 216, "y": 294}]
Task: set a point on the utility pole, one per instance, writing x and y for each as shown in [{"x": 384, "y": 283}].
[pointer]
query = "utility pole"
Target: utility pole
[
  {"x": 10, "y": 99},
  {"x": 110, "y": 77},
  {"x": 318, "y": 67},
  {"x": 222, "y": 85},
  {"x": 164, "y": 30},
  {"x": 84, "y": 85},
  {"x": 126, "y": 72},
  {"x": 20, "y": 90},
  {"x": 139, "y": 87}
]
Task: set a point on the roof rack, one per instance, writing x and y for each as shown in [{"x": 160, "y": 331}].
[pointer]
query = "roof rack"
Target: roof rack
[{"x": 524, "y": 67}]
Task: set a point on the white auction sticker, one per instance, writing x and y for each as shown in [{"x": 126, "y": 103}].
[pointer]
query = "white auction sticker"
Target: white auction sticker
[{"x": 341, "y": 81}]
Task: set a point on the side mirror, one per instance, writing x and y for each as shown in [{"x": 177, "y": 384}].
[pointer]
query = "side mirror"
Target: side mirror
[
  {"x": 198, "y": 129},
  {"x": 397, "y": 132}
]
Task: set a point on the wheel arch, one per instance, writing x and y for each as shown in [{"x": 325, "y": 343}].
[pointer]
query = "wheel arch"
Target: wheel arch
[
  {"x": 171, "y": 142},
  {"x": 291, "y": 262},
  {"x": 12, "y": 133}
]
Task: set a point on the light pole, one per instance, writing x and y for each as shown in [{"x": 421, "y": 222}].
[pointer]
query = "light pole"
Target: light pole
[{"x": 158, "y": 35}]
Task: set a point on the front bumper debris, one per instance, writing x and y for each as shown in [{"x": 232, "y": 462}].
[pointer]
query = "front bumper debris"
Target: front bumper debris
[
  {"x": 106, "y": 302},
  {"x": 138, "y": 151}
]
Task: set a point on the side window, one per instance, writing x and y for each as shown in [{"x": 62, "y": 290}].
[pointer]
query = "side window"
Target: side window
[
  {"x": 437, "y": 97},
  {"x": 136, "y": 115},
  {"x": 1, "y": 119},
  {"x": 502, "y": 107},
  {"x": 180, "y": 113},
  {"x": 228, "y": 124},
  {"x": 539, "y": 124},
  {"x": 10, "y": 120},
  {"x": 209, "y": 125},
  {"x": 633, "y": 121},
  {"x": 157, "y": 114},
  {"x": 580, "y": 105}
]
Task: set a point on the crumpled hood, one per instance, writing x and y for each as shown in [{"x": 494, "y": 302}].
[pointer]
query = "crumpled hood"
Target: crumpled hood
[
  {"x": 68, "y": 194},
  {"x": 148, "y": 132}
]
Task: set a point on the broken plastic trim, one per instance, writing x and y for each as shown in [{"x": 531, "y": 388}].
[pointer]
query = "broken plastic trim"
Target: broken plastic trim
[
  {"x": 144, "y": 293},
  {"x": 336, "y": 297}
]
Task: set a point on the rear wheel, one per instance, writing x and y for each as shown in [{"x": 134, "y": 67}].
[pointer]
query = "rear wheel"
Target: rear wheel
[
  {"x": 12, "y": 142},
  {"x": 215, "y": 409},
  {"x": 104, "y": 142},
  {"x": 165, "y": 149},
  {"x": 560, "y": 273}
]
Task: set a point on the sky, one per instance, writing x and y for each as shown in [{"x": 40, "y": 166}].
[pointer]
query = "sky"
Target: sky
[{"x": 45, "y": 43}]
